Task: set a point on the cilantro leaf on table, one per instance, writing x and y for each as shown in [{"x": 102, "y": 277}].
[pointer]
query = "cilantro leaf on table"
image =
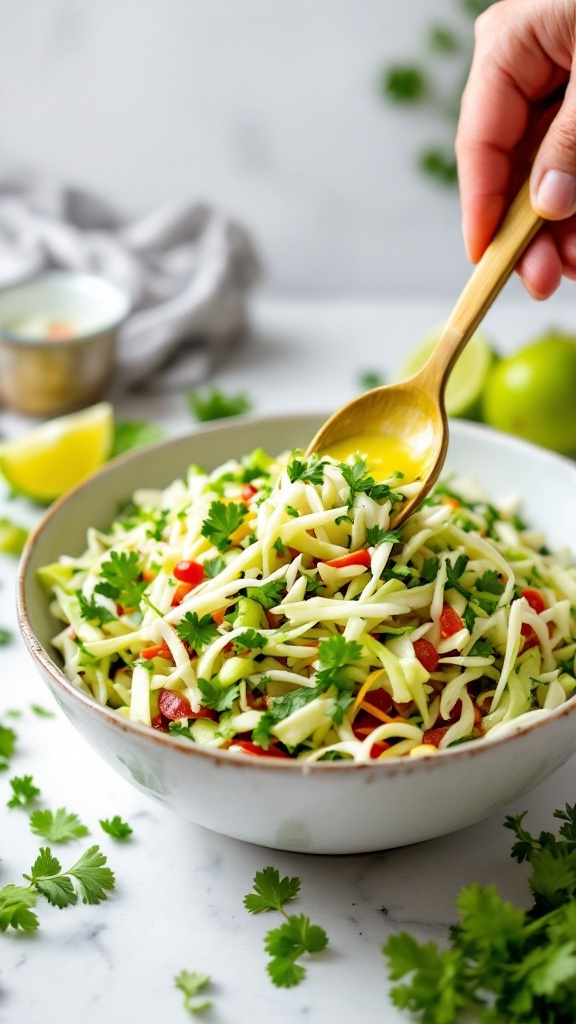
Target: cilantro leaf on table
[
  {"x": 122, "y": 572},
  {"x": 523, "y": 962},
  {"x": 222, "y": 520},
  {"x": 5, "y": 636},
  {"x": 7, "y": 745},
  {"x": 269, "y": 594},
  {"x": 270, "y": 891},
  {"x": 130, "y": 434},
  {"x": 370, "y": 379},
  {"x": 115, "y": 827},
  {"x": 16, "y": 903},
  {"x": 91, "y": 611},
  {"x": 42, "y": 712},
  {"x": 288, "y": 942},
  {"x": 23, "y": 791},
  {"x": 215, "y": 405},
  {"x": 190, "y": 983},
  {"x": 216, "y": 697},
  {"x": 250, "y": 640},
  {"x": 198, "y": 632},
  {"x": 375, "y": 536},
  {"x": 57, "y": 827},
  {"x": 90, "y": 873}
]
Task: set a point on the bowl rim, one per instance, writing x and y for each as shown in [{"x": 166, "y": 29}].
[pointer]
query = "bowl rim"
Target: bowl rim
[
  {"x": 66, "y": 274},
  {"x": 390, "y": 766}
]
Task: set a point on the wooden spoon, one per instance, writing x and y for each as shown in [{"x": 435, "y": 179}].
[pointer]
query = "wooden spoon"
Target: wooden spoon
[{"x": 413, "y": 411}]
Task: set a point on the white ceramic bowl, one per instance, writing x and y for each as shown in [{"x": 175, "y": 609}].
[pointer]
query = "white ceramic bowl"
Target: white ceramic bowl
[{"x": 333, "y": 807}]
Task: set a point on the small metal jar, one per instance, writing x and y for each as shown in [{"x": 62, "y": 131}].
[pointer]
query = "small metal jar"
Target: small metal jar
[{"x": 43, "y": 375}]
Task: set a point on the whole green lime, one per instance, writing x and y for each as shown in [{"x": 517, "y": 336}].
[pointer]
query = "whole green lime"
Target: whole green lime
[{"x": 533, "y": 393}]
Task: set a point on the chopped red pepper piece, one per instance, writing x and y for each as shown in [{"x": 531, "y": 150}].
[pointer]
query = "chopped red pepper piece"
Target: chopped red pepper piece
[
  {"x": 378, "y": 748},
  {"x": 218, "y": 616},
  {"x": 450, "y": 622},
  {"x": 248, "y": 492},
  {"x": 354, "y": 558},
  {"x": 426, "y": 654},
  {"x": 189, "y": 572},
  {"x": 530, "y": 636},
  {"x": 160, "y": 722},
  {"x": 534, "y": 599},
  {"x": 252, "y": 748},
  {"x": 433, "y": 736},
  {"x": 157, "y": 651},
  {"x": 173, "y": 706}
]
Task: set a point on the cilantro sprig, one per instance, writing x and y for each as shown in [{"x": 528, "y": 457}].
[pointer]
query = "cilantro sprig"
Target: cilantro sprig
[
  {"x": 524, "y": 961},
  {"x": 215, "y": 405},
  {"x": 191, "y": 983},
  {"x": 309, "y": 470},
  {"x": 89, "y": 878},
  {"x": 7, "y": 745},
  {"x": 198, "y": 632},
  {"x": 122, "y": 578},
  {"x": 295, "y": 936},
  {"x": 221, "y": 522}
]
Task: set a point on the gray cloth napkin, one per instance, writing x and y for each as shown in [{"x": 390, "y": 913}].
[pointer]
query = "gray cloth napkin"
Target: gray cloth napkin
[{"x": 186, "y": 267}]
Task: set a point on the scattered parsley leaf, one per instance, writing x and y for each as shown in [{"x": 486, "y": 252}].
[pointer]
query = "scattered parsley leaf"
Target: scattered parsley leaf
[
  {"x": 5, "y": 636},
  {"x": 130, "y": 434},
  {"x": 198, "y": 632},
  {"x": 430, "y": 569},
  {"x": 288, "y": 942},
  {"x": 279, "y": 546},
  {"x": 93, "y": 877},
  {"x": 267, "y": 595},
  {"x": 214, "y": 566},
  {"x": 57, "y": 827},
  {"x": 375, "y": 536},
  {"x": 453, "y": 574},
  {"x": 215, "y": 405},
  {"x": 42, "y": 712},
  {"x": 483, "y": 648},
  {"x": 442, "y": 39},
  {"x": 278, "y": 709},
  {"x": 115, "y": 827},
  {"x": 250, "y": 640},
  {"x": 16, "y": 903},
  {"x": 335, "y": 655},
  {"x": 313, "y": 583},
  {"x": 91, "y": 611},
  {"x": 270, "y": 891},
  {"x": 7, "y": 745},
  {"x": 309, "y": 470},
  {"x": 489, "y": 583},
  {"x": 469, "y": 617},
  {"x": 190, "y": 983},
  {"x": 219, "y": 698},
  {"x": 292, "y": 511},
  {"x": 23, "y": 791},
  {"x": 122, "y": 572},
  {"x": 222, "y": 520}
]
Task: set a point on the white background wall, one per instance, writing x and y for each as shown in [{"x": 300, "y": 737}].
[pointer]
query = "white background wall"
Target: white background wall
[{"x": 268, "y": 108}]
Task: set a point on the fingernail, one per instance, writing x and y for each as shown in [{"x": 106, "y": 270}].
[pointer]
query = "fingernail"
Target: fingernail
[{"x": 556, "y": 194}]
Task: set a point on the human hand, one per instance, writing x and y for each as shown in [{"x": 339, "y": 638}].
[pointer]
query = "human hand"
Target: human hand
[{"x": 523, "y": 56}]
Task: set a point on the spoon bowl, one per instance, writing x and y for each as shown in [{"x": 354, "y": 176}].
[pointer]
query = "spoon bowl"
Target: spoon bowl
[{"x": 412, "y": 413}]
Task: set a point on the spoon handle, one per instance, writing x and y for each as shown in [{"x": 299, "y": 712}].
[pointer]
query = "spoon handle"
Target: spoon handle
[{"x": 517, "y": 229}]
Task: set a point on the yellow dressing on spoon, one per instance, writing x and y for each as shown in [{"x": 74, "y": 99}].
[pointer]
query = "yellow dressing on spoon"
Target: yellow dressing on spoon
[{"x": 384, "y": 455}]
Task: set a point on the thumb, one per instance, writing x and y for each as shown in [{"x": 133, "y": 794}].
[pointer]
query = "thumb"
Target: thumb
[{"x": 553, "y": 177}]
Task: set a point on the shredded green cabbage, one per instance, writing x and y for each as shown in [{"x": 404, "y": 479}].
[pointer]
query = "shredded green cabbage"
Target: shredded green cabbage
[{"x": 311, "y": 630}]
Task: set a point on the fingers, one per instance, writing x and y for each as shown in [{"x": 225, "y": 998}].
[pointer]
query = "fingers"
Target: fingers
[
  {"x": 553, "y": 177},
  {"x": 512, "y": 70},
  {"x": 541, "y": 266}
]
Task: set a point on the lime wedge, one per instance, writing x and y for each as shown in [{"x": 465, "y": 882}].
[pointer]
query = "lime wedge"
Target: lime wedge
[
  {"x": 469, "y": 375},
  {"x": 59, "y": 454}
]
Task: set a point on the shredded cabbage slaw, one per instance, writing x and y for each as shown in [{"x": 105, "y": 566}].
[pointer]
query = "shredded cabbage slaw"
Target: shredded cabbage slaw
[{"x": 268, "y": 608}]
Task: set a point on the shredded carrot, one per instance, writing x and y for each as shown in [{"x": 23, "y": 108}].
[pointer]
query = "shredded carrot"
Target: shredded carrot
[
  {"x": 365, "y": 687},
  {"x": 380, "y": 714}
]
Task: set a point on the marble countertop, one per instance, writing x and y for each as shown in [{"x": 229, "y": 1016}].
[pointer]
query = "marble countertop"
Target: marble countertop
[{"x": 179, "y": 889}]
